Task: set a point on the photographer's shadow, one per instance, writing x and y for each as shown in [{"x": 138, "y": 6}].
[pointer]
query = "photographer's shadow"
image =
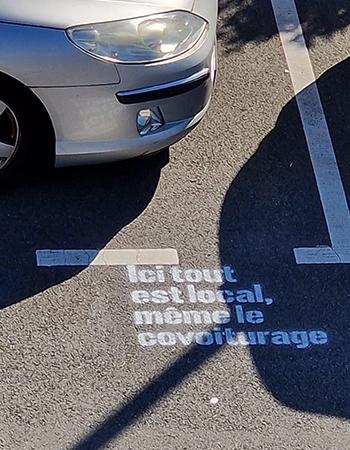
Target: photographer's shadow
[
  {"x": 78, "y": 208},
  {"x": 272, "y": 207}
]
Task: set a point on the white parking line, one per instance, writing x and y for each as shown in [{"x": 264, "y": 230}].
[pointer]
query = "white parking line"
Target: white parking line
[
  {"x": 147, "y": 257},
  {"x": 318, "y": 140}
]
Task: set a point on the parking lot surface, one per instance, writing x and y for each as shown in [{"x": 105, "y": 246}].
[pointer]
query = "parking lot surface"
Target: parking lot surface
[{"x": 236, "y": 346}]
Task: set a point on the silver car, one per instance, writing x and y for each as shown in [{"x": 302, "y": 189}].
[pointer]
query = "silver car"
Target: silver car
[{"x": 92, "y": 81}]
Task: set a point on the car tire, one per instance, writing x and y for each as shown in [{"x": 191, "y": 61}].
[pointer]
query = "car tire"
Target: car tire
[{"x": 22, "y": 135}]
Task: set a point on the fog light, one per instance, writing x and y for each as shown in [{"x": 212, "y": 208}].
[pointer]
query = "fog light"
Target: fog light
[{"x": 149, "y": 120}]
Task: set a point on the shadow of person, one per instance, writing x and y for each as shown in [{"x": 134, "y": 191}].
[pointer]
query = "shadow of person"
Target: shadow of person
[
  {"x": 79, "y": 208},
  {"x": 271, "y": 207}
]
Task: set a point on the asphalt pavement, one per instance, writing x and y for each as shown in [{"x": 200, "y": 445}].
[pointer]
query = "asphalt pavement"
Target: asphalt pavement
[{"x": 238, "y": 347}]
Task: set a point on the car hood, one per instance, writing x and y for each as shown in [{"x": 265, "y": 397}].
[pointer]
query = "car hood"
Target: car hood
[{"x": 66, "y": 13}]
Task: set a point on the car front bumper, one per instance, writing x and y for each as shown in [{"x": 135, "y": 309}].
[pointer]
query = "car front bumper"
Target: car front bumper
[{"x": 98, "y": 123}]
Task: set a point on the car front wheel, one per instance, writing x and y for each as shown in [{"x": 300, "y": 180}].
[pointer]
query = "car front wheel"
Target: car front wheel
[
  {"x": 24, "y": 136},
  {"x": 9, "y": 136}
]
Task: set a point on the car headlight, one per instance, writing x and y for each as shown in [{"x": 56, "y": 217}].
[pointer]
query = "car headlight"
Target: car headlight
[{"x": 141, "y": 40}]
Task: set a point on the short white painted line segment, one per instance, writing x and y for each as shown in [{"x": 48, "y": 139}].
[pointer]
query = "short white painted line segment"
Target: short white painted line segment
[
  {"x": 146, "y": 257},
  {"x": 318, "y": 140}
]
